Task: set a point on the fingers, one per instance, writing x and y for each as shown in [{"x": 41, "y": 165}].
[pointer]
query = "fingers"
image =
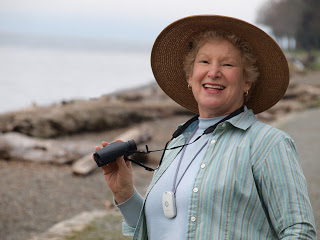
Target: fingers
[
  {"x": 129, "y": 165},
  {"x": 98, "y": 147},
  {"x": 120, "y": 160},
  {"x": 123, "y": 164},
  {"x": 104, "y": 143}
]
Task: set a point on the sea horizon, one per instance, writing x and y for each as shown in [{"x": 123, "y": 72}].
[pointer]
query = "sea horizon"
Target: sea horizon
[{"x": 38, "y": 72}]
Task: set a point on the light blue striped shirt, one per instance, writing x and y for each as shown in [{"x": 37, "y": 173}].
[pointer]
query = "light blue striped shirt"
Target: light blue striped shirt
[{"x": 248, "y": 185}]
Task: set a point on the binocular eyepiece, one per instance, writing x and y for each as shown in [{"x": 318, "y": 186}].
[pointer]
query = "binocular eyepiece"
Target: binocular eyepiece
[{"x": 112, "y": 151}]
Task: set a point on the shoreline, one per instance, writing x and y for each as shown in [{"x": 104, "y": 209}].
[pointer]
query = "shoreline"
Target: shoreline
[{"x": 144, "y": 103}]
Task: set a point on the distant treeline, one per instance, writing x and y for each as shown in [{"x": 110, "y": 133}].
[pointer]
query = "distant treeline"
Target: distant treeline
[{"x": 293, "y": 19}]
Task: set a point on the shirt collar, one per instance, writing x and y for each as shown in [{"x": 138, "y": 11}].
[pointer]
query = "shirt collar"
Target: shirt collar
[
  {"x": 190, "y": 129},
  {"x": 243, "y": 120}
]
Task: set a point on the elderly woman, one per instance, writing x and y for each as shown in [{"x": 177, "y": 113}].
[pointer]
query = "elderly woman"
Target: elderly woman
[{"x": 232, "y": 177}]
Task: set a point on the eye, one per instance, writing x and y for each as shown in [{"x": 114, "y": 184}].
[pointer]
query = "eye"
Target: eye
[
  {"x": 204, "y": 61},
  {"x": 227, "y": 65}
]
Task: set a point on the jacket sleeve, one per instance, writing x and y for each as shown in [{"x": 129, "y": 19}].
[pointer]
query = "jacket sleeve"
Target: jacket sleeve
[
  {"x": 284, "y": 193},
  {"x": 131, "y": 210}
]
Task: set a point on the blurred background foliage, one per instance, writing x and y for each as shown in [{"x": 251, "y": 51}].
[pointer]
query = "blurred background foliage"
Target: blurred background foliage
[
  {"x": 293, "y": 19},
  {"x": 296, "y": 26}
]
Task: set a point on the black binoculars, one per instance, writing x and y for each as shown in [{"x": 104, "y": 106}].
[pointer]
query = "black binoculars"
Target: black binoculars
[{"x": 112, "y": 151}]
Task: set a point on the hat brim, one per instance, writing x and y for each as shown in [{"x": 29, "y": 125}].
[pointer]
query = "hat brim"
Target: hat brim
[{"x": 172, "y": 45}]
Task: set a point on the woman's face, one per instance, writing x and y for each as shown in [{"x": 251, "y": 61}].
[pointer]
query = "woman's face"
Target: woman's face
[{"x": 217, "y": 79}]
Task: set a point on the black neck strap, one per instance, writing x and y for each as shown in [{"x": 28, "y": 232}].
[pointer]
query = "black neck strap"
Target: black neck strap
[
  {"x": 231, "y": 115},
  {"x": 210, "y": 129},
  {"x": 182, "y": 128}
]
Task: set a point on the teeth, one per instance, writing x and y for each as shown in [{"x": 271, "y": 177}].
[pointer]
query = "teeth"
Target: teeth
[{"x": 208, "y": 86}]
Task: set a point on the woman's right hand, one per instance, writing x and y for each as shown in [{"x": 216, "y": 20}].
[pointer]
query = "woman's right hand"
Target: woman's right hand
[{"x": 119, "y": 178}]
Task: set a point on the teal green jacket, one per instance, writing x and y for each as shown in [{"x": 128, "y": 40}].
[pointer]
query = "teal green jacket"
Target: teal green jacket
[{"x": 251, "y": 188}]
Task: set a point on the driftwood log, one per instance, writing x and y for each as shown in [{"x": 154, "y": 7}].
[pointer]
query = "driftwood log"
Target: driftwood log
[
  {"x": 86, "y": 164},
  {"x": 16, "y": 146},
  {"x": 109, "y": 112},
  {"x": 104, "y": 113},
  {"x": 128, "y": 108}
]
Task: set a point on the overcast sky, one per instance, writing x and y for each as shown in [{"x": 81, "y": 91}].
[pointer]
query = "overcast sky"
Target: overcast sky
[{"x": 122, "y": 19}]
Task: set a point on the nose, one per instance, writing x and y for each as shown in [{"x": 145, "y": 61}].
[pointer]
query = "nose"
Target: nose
[{"x": 214, "y": 72}]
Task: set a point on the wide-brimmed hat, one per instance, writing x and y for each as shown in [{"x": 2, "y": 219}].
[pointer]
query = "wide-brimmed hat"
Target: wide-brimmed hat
[{"x": 172, "y": 45}]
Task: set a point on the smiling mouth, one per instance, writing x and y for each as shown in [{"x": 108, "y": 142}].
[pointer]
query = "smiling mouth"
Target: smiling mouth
[{"x": 213, "y": 87}]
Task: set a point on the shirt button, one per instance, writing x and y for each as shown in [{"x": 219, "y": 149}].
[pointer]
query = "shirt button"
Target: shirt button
[
  {"x": 195, "y": 190},
  {"x": 203, "y": 166},
  {"x": 223, "y": 125},
  {"x": 193, "y": 219},
  {"x": 213, "y": 141}
]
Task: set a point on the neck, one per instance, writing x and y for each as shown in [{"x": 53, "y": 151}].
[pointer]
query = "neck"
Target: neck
[{"x": 216, "y": 112}]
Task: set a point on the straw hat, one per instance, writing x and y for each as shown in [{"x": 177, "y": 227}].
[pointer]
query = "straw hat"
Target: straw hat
[{"x": 172, "y": 45}]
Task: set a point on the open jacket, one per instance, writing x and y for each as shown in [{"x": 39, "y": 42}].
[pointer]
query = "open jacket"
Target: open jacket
[{"x": 250, "y": 183}]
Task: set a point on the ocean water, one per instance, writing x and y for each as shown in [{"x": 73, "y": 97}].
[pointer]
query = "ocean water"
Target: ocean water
[{"x": 43, "y": 76}]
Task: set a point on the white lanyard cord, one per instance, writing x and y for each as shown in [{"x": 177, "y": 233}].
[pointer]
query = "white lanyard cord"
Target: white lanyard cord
[{"x": 174, "y": 186}]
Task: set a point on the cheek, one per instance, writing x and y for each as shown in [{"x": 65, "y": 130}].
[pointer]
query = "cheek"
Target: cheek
[
  {"x": 197, "y": 73},
  {"x": 239, "y": 81}
]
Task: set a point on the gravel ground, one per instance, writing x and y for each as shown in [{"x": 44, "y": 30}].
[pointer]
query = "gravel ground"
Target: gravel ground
[
  {"x": 34, "y": 196},
  {"x": 304, "y": 129}
]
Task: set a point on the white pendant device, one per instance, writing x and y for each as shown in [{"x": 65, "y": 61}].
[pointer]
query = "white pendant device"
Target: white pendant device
[
  {"x": 168, "y": 197},
  {"x": 169, "y": 204}
]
